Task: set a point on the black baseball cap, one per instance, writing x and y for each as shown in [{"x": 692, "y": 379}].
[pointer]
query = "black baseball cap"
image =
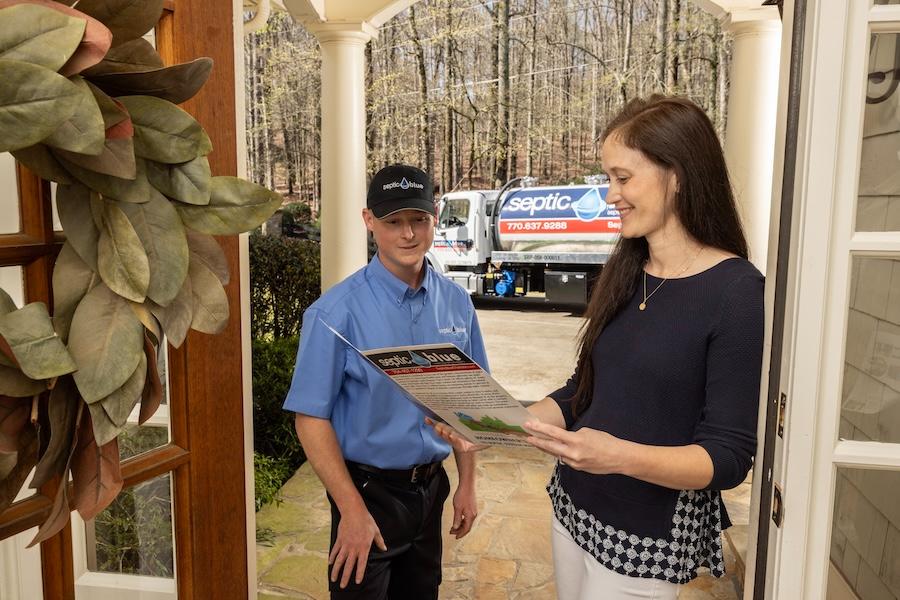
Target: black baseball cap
[{"x": 400, "y": 187}]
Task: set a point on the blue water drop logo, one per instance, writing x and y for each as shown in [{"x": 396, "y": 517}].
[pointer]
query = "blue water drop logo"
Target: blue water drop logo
[
  {"x": 418, "y": 358},
  {"x": 404, "y": 184},
  {"x": 590, "y": 205}
]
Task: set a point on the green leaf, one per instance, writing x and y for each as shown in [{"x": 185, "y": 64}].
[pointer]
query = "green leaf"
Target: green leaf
[
  {"x": 34, "y": 101},
  {"x": 175, "y": 84},
  {"x": 113, "y": 112},
  {"x": 72, "y": 280},
  {"x": 6, "y": 303},
  {"x": 187, "y": 182},
  {"x": 205, "y": 249},
  {"x": 121, "y": 258},
  {"x": 163, "y": 132},
  {"x": 106, "y": 341},
  {"x": 41, "y": 161},
  {"x": 39, "y": 35},
  {"x": 73, "y": 203},
  {"x": 209, "y": 298},
  {"x": 119, "y": 404},
  {"x": 124, "y": 190},
  {"x": 162, "y": 236},
  {"x": 115, "y": 159},
  {"x": 235, "y": 206},
  {"x": 176, "y": 318},
  {"x": 83, "y": 132},
  {"x": 38, "y": 350},
  {"x": 136, "y": 55},
  {"x": 16, "y": 384},
  {"x": 63, "y": 411},
  {"x": 127, "y": 19}
]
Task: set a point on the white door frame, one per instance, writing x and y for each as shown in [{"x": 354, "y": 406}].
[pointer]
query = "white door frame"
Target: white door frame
[{"x": 818, "y": 290}]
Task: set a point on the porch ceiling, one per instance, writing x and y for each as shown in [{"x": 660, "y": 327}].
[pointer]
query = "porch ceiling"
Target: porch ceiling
[
  {"x": 373, "y": 12},
  {"x": 737, "y": 10}
]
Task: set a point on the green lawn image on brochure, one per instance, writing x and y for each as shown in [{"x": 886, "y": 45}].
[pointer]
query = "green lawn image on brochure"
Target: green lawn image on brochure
[{"x": 491, "y": 424}]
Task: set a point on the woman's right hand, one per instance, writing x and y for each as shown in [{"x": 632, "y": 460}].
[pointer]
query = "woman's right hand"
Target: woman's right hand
[{"x": 458, "y": 442}]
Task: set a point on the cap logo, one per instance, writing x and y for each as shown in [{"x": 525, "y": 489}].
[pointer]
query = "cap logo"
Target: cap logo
[{"x": 403, "y": 184}]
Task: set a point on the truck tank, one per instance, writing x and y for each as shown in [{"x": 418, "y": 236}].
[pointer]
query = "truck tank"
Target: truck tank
[{"x": 557, "y": 219}]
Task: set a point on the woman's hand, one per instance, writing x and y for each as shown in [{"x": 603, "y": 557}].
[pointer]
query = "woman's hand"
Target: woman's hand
[
  {"x": 459, "y": 443},
  {"x": 587, "y": 449}
]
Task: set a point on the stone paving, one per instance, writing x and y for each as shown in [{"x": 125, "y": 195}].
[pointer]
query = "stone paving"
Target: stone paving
[
  {"x": 507, "y": 554},
  {"x": 505, "y": 557}
]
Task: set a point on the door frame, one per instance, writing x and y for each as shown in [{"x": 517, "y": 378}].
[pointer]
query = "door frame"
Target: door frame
[{"x": 817, "y": 290}]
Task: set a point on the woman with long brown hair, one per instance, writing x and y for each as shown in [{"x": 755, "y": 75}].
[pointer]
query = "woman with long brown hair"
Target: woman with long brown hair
[{"x": 660, "y": 414}]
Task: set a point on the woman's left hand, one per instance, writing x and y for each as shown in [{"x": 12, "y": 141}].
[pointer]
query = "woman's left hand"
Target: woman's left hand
[{"x": 587, "y": 449}]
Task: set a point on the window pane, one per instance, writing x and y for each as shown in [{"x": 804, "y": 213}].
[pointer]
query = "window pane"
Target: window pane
[
  {"x": 133, "y": 535},
  {"x": 870, "y": 400},
  {"x": 12, "y": 282},
  {"x": 878, "y": 207},
  {"x": 10, "y": 221},
  {"x": 865, "y": 536}
]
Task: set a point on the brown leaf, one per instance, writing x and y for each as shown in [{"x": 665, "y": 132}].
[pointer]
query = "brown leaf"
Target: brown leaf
[
  {"x": 64, "y": 414},
  {"x": 14, "y": 414},
  {"x": 28, "y": 449},
  {"x": 112, "y": 110},
  {"x": 96, "y": 472},
  {"x": 116, "y": 158},
  {"x": 59, "y": 515},
  {"x": 94, "y": 45},
  {"x": 127, "y": 19},
  {"x": 175, "y": 84},
  {"x": 153, "y": 392},
  {"x": 136, "y": 55}
]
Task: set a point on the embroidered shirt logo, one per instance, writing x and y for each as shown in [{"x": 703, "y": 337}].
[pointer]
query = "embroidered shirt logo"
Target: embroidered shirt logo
[{"x": 453, "y": 329}]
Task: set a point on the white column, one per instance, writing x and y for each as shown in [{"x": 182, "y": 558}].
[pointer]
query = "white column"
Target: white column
[
  {"x": 752, "y": 113},
  {"x": 343, "y": 147}
]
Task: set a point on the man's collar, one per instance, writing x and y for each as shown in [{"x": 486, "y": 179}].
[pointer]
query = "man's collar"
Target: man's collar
[{"x": 397, "y": 288}]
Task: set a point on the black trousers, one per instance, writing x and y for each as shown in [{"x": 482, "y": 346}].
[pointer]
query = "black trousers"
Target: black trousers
[{"x": 409, "y": 518}]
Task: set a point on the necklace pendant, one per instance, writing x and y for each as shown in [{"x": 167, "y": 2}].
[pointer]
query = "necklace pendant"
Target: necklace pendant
[{"x": 642, "y": 306}]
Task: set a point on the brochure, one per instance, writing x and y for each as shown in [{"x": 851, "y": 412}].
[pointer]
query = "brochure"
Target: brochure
[{"x": 450, "y": 387}]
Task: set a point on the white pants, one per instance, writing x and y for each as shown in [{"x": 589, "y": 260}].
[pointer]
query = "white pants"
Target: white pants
[{"x": 580, "y": 577}]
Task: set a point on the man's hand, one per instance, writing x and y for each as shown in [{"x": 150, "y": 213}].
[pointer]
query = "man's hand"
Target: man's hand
[
  {"x": 465, "y": 509},
  {"x": 356, "y": 532},
  {"x": 458, "y": 442}
]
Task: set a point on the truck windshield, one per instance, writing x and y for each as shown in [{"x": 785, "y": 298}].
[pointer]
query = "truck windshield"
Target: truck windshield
[{"x": 454, "y": 213}]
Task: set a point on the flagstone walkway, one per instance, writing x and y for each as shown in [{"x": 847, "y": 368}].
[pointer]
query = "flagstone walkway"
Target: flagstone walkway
[{"x": 505, "y": 557}]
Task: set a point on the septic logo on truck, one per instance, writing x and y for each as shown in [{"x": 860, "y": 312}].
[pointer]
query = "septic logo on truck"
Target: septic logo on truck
[{"x": 556, "y": 204}]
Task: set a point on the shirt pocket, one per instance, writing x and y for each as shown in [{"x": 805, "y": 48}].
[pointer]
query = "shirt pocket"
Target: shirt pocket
[{"x": 457, "y": 338}]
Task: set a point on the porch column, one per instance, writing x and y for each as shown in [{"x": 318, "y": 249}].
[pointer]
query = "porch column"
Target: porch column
[
  {"x": 752, "y": 111},
  {"x": 343, "y": 147}
]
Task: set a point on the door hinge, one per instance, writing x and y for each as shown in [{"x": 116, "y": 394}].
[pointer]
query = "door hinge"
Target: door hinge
[
  {"x": 777, "y": 505},
  {"x": 782, "y": 409}
]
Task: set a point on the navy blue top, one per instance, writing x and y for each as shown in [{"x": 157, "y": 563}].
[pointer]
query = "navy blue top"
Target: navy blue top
[
  {"x": 684, "y": 371},
  {"x": 375, "y": 422}
]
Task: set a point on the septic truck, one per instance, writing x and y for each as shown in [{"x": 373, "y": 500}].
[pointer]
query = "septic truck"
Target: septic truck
[{"x": 526, "y": 239}]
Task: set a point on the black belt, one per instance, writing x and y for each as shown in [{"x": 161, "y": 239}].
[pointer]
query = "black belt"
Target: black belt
[{"x": 417, "y": 474}]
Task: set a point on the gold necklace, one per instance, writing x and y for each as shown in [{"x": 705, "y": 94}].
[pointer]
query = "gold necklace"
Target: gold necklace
[{"x": 643, "y": 305}]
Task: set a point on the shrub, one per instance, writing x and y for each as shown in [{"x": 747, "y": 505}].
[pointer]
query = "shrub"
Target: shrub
[
  {"x": 284, "y": 281},
  {"x": 269, "y": 475},
  {"x": 273, "y": 367}
]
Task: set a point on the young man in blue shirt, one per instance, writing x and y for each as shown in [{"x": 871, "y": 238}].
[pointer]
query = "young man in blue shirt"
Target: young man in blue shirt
[{"x": 378, "y": 460}]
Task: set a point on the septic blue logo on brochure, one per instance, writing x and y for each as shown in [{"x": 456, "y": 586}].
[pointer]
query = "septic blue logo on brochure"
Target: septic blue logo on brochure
[{"x": 584, "y": 202}]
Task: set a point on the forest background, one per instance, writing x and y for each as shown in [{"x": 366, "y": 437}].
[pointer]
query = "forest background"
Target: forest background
[{"x": 476, "y": 91}]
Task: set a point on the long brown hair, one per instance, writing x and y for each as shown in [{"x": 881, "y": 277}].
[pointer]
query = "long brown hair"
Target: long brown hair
[{"x": 674, "y": 133}]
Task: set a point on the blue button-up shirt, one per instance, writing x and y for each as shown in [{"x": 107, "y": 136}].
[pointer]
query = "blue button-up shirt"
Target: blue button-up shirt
[{"x": 375, "y": 422}]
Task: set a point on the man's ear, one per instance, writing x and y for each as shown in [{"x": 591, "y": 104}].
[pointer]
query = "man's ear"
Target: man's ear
[{"x": 368, "y": 218}]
